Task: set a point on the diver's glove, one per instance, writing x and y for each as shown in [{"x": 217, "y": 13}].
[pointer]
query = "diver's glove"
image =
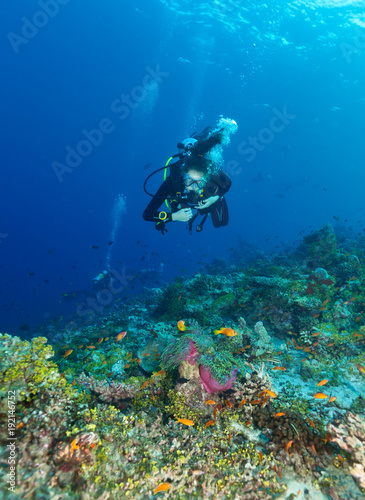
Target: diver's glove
[{"x": 161, "y": 226}]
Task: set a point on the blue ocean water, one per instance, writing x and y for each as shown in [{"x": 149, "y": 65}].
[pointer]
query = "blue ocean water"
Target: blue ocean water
[{"x": 95, "y": 96}]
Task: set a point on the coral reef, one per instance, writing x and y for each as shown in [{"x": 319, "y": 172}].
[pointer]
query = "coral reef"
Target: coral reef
[{"x": 156, "y": 392}]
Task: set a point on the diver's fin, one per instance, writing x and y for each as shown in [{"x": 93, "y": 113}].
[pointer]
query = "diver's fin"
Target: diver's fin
[{"x": 220, "y": 215}]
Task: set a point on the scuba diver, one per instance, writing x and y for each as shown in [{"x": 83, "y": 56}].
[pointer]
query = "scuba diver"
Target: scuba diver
[{"x": 196, "y": 181}]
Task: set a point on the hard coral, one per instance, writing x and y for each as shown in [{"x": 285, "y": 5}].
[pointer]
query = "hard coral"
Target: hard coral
[
  {"x": 109, "y": 392},
  {"x": 349, "y": 434}
]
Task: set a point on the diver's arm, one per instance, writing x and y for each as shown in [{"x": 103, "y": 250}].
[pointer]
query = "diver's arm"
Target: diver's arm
[{"x": 152, "y": 212}]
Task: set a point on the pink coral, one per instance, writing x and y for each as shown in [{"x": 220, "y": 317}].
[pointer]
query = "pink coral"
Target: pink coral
[
  {"x": 193, "y": 354},
  {"x": 211, "y": 385}
]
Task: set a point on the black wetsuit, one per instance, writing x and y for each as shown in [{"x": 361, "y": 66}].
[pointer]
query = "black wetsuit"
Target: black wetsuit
[{"x": 173, "y": 190}]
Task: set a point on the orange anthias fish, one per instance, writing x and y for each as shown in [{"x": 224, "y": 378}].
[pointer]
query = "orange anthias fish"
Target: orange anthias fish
[
  {"x": 280, "y": 414},
  {"x": 162, "y": 487},
  {"x": 74, "y": 446},
  {"x": 144, "y": 384},
  {"x": 120, "y": 336},
  {"x": 320, "y": 395},
  {"x": 271, "y": 394},
  {"x": 289, "y": 445},
  {"x": 160, "y": 373},
  {"x": 332, "y": 399},
  {"x": 210, "y": 402},
  {"x": 229, "y": 332},
  {"x": 181, "y": 325},
  {"x": 185, "y": 421},
  {"x": 67, "y": 353},
  {"x": 322, "y": 382},
  {"x": 359, "y": 367},
  {"x": 211, "y": 422},
  {"x": 281, "y": 368},
  {"x": 228, "y": 403}
]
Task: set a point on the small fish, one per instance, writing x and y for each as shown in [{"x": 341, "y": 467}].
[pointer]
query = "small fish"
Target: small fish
[
  {"x": 229, "y": 438},
  {"x": 322, "y": 382},
  {"x": 211, "y": 422},
  {"x": 280, "y": 414},
  {"x": 316, "y": 334},
  {"x": 261, "y": 456},
  {"x": 271, "y": 394},
  {"x": 74, "y": 446},
  {"x": 361, "y": 369},
  {"x": 340, "y": 458},
  {"x": 315, "y": 316},
  {"x": 228, "y": 403},
  {"x": 162, "y": 487},
  {"x": 67, "y": 353},
  {"x": 264, "y": 401},
  {"x": 100, "y": 340},
  {"x": 320, "y": 395},
  {"x": 242, "y": 403},
  {"x": 314, "y": 449},
  {"x": 325, "y": 302},
  {"x": 144, "y": 384},
  {"x": 182, "y": 380},
  {"x": 110, "y": 374},
  {"x": 281, "y": 368},
  {"x": 330, "y": 345},
  {"x": 19, "y": 426},
  {"x": 311, "y": 423},
  {"x": 247, "y": 423},
  {"x": 160, "y": 373},
  {"x": 93, "y": 445},
  {"x": 90, "y": 347},
  {"x": 185, "y": 421},
  {"x": 110, "y": 242},
  {"x": 229, "y": 332},
  {"x": 256, "y": 402},
  {"x": 357, "y": 319},
  {"x": 289, "y": 445},
  {"x": 120, "y": 336},
  {"x": 210, "y": 402},
  {"x": 104, "y": 362},
  {"x": 332, "y": 399},
  {"x": 94, "y": 247},
  {"x": 127, "y": 365},
  {"x": 181, "y": 325},
  {"x": 146, "y": 354},
  {"x": 73, "y": 383},
  {"x": 307, "y": 349},
  {"x": 80, "y": 346}
]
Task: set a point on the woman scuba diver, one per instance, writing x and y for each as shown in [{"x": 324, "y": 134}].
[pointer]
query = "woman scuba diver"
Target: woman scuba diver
[{"x": 196, "y": 181}]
